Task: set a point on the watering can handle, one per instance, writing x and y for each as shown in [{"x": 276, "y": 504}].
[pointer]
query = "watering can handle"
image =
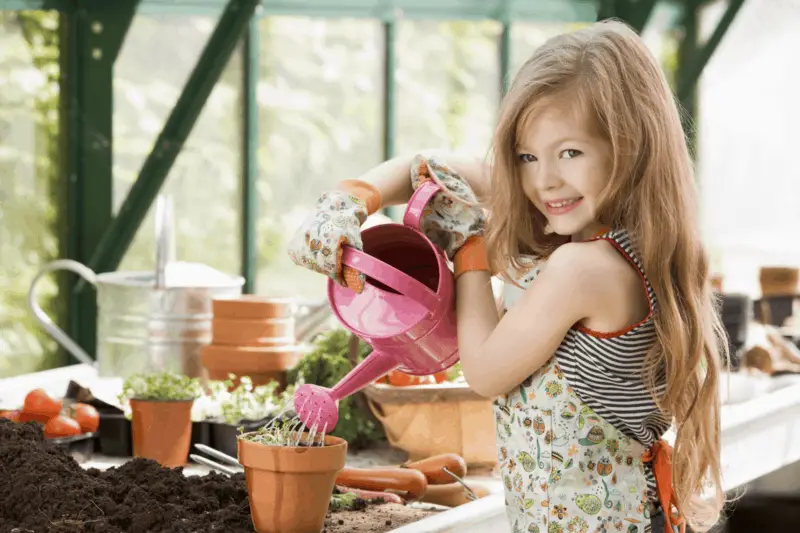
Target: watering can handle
[
  {"x": 47, "y": 323},
  {"x": 417, "y": 203},
  {"x": 389, "y": 276}
]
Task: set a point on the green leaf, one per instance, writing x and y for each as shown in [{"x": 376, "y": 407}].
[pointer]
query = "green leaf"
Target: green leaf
[{"x": 160, "y": 386}]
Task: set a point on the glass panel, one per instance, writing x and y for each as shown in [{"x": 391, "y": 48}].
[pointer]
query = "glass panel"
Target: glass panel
[
  {"x": 747, "y": 144},
  {"x": 204, "y": 183},
  {"x": 526, "y": 37},
  {"x": 448, "y": 85},
  {"x": 319, "y": 95},
  {"x": 30, "y": 192}
]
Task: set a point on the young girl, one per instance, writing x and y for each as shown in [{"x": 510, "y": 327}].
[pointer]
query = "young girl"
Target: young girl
[{"x": 609, "y": 334}]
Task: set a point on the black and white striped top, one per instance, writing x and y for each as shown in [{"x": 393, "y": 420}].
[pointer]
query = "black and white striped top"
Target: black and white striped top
[{"x": 606, "y": 370}]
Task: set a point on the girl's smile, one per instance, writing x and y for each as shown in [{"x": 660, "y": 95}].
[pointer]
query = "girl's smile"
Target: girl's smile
[{"x": 561, "y": 207}]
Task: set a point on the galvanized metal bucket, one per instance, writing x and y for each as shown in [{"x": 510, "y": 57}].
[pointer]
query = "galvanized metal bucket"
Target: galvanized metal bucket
[{"x": 143, "y": 325}]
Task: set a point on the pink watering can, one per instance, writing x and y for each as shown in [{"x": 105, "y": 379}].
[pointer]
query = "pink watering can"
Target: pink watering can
[{"x": 406, "y": 311}]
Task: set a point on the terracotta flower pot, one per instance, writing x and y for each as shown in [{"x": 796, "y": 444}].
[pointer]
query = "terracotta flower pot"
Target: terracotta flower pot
[
  {"x": 251, "y": 307},
  {"x": 162, "y": 430},
  {"x": 290, "y": 487},
  {"x": 261, "y": 363},
  {"x": 251, "y": 332}
]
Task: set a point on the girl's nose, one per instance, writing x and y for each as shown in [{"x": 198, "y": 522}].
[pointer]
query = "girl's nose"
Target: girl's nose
[{"x": 547, "y": 176}]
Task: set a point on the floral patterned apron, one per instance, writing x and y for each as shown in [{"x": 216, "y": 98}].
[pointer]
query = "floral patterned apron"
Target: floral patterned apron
[{"x": 565, "y": 470}]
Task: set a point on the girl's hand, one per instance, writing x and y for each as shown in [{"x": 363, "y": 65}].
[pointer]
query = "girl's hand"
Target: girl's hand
[
  {"x": 335, "y": 222},
  {"x": 454, "y": 215}
]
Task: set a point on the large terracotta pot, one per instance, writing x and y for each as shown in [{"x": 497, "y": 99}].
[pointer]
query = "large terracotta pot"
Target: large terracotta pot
[
  {"x": 162, "y": 430},
  {"x": 262, "y": 364},
  {"x": 290, "y": 487}
]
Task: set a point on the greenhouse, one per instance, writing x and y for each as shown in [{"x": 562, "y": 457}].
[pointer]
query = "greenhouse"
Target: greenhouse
[{"x": 157, "y": 157}]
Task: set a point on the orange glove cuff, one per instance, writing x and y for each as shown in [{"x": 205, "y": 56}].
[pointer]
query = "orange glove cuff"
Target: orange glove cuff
[
  {"x": 471, "y": 256},
  {"x": 364, "y": 191}
]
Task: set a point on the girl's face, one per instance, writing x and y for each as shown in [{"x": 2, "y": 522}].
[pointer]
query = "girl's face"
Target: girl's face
[{"x": 564, "y": 166}]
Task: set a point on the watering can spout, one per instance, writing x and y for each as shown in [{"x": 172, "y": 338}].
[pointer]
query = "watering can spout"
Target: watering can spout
[{"x": 316, "y": 406}]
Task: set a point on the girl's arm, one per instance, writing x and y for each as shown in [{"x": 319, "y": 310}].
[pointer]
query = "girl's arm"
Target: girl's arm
[
  {"x": 499, "y": 354},
  {"x": 393, "y": 178}
]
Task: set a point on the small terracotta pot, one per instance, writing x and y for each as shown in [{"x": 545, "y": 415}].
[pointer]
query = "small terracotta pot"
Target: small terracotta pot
[
  {"x": 162, "y": 430},
  {"x": 251, "y": 307},
  {"x": 290, "y": 488},
  {"x": 242, "y": 360},
  {"x": 245, "y": 332}
]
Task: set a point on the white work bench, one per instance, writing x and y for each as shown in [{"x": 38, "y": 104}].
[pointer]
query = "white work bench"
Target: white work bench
[{"x": 760, "y": 434}]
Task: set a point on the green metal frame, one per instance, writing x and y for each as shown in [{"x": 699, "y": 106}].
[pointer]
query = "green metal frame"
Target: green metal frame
[
  {"x": 250, "y": 70},
  {"x": 215, "y": 56},
  {"x": 634, "y": 12},
  {"x": 693, "y": 64},
  {"x": 92, "y": 34}
]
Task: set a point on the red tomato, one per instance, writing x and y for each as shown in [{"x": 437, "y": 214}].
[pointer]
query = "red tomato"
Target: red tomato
[
  {"x": 440, "y": 377},
  {"x": 61, "y": 426},
  {"x": 87, "y": 416},
  {"x": 39, "y": 405},
  {"x": 11, "y": 415},
  {"x": 30, "y": 417},
  {"x": 401, "y": 379}
]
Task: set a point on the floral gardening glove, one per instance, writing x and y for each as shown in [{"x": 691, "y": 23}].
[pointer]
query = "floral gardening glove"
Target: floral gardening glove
[
  {"x": 336, "y": 221},
  {"x": 453, "y": 215}
]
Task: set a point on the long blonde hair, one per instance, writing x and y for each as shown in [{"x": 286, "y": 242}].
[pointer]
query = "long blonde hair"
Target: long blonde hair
[{"x": 607, "y": 71}]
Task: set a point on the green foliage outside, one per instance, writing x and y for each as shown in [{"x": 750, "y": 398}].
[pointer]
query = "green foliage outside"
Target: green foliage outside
[{"x": 30, "y": 186}]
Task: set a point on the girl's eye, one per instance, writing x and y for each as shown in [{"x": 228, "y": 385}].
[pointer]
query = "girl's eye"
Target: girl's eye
[
  {"x": 569, "y": 153},
  {"x": 526, "y": 158}
]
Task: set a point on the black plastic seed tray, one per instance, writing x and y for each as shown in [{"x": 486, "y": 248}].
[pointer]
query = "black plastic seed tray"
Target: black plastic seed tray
[{"x": 80, "y": 447}]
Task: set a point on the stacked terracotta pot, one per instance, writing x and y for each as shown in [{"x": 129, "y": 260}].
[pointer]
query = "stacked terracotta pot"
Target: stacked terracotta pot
[{"x": 251, "y": 336}]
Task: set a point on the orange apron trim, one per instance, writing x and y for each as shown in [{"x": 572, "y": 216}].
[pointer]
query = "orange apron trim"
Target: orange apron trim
[
  {"x": 660, "y": 454},
  {"x": 601, "y": 232}
]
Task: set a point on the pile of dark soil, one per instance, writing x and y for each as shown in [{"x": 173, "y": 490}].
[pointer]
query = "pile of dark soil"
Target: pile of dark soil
[{"x": 44, "y": 490}]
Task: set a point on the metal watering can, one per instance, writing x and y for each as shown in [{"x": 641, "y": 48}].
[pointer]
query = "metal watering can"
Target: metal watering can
[
  {"x": 406, "y": 311},
  {"x": 149, "y": 320}
]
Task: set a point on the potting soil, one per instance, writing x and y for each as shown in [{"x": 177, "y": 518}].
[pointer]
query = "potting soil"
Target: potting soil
[{"x": 43, "y": 489}]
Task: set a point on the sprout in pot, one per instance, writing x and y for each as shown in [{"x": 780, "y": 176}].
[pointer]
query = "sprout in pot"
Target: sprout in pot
[
  {"x": 243, "y": 409},
  {"x": 161, "y": 405}
]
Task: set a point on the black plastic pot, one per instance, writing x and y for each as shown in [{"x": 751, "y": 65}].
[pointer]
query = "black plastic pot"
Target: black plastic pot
[
  {"x": 80, "y": 447},
  {"x": 201, "y": 434},
  {"x": 223, "y": 436},
  {"x": 780, "y": 308},
  {"x": 115, "y": 435}
]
